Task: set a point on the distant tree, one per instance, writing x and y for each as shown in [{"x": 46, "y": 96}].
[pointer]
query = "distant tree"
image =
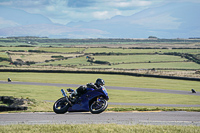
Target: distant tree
[{"x": 152, "y": 37}]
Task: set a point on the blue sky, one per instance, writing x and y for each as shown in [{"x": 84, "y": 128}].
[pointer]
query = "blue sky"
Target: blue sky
[{"x": 65, "y": 11}]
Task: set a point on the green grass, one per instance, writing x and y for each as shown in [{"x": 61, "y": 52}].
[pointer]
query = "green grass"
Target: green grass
[
  {"x": 110, "y": 80},
  {"x": 40, "y": 93},
  {"x": 98, "y": 128},
  {"x": 16, "y": 48},
  {"x": 138, "y": 58},
  {"x": 3, "y": 55},
  {"x": 171, "y": 65},
  {"x": 61, "y": 50},
  {"x": 121, "y": 50},
  {"x": 47, "y": 49},
  {"x": 39, "y": 57},
  {"x": 150, "y": 108},
  {"x": 114, "y": 60},
  {"x": 119, "y": 108},
  {"x": 4, "y": 63},
  {"x": 76, "y": 61},
  {"x": 120, "y": 96},
  {"x": 99, "y": 50},
  {"x": 52, "y": 93}
]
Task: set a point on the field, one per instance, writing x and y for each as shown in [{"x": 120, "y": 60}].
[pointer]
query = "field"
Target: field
[
  {"x": 38, "y": 57},
  {"x": 164, "y": 61},
  {"x": 51, "y": 93},
  {"x": 99, "y": 128},
  {"x": 163, "y": 57},
  {"x": 141, "y": 50},
  {"x": 180, "y": 58}
]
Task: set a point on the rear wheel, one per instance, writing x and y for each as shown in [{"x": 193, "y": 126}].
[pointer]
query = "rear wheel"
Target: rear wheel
[
  {"x": 98, "y": 106},
  {"x": 61, "y": 106}
]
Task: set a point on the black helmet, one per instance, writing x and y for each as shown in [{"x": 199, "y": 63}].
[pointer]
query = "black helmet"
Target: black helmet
[{"x": 99, "y": 82}]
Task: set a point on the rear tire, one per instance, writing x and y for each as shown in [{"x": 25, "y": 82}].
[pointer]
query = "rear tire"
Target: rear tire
[
  {"x": 61, "y": 106},
  {"x": 98, "y": 107}
]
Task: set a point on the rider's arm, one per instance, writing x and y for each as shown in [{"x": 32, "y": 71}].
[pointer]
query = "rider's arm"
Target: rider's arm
[
  {"x": 90, "y": 89},
  {"x": 91, "y": 85}
]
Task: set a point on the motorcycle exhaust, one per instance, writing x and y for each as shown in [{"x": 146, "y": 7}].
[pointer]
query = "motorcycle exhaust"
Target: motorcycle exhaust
[{"x": 65, "y": 95}]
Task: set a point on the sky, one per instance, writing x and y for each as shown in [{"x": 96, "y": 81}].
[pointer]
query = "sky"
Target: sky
[{"x": 65, "y": 11}]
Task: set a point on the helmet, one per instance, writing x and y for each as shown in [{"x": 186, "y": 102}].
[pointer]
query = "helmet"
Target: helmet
[{"x": 99, "y": 82}]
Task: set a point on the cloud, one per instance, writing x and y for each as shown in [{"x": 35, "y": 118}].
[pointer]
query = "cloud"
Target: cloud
[
  {"x": 162, "y": 21},
  {"x": 102, "y": 15},
  {"x": 23, "y": 3},
  {"x": 193, "y": 1},
  {"x": 65, "y": 11},
  {"x": 132, "y": 3},
  {"x": 80, "y": 3},
  {"x": 50, "y": 8},
  {"x": 7, "y": 23}
]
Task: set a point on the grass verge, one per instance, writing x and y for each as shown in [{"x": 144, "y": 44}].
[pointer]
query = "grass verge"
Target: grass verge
[
  {"x": 152, "y": 108},
  {"x": 98, "y": 128}
]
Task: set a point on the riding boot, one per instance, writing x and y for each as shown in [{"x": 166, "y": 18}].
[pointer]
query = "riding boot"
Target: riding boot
[{"x": 73, "y": 96}]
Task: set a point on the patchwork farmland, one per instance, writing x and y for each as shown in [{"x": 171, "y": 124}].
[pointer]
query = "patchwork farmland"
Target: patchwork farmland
[{"x": 157, "y": 57}]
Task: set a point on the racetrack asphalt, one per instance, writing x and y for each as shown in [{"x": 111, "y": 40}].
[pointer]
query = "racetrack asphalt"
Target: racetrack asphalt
[
  {"x": 121, "y": 88},
  {"x": 144, "y": 118}
]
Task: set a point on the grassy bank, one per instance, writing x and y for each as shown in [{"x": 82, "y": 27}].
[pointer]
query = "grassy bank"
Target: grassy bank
[
  {"x": 98, "y": 128},
  {"x": 43, "y": 94},
  {"x": 52, "y": 93},
  {"x": 110, "y": 80}
]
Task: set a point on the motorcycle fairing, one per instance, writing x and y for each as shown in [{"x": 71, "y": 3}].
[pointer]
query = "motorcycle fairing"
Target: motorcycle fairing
[{"x": 82, "y": 104}]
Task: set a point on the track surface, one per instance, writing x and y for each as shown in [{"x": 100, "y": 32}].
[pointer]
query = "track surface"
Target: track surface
[
  {"x": 153, "y": 118},
  {"x": 121, "y": 88}
]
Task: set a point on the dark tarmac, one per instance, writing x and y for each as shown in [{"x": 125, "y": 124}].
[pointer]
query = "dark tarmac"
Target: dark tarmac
[{"x": 144, "y": 118}]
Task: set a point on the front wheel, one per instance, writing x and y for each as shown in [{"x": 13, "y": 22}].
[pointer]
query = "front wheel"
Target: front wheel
[
  {"x": 98, "y": 106},
  {"x": 61, "y": 106}
]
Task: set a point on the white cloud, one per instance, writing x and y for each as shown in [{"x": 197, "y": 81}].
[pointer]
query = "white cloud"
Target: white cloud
[
  {"x": 64, "y": 11},
  {"x": 106, "y": 14},
  {"x": 50, "y": 8},
  {"x": 132, "y": 3},
  {"x": 7, "y": 23},
  {"x": 100, "y": 15},
  {"x": 194, "y": 1},
  {"x": 158, "y": 22}
]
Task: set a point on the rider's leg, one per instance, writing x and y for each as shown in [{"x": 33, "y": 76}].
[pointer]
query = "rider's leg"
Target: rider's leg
[{"x": 74, "y": 93}]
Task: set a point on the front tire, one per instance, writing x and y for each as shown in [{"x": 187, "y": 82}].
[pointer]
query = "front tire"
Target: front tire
[
  {"x": 61, "y": 106},
  {"x": 97, "y": 107}
]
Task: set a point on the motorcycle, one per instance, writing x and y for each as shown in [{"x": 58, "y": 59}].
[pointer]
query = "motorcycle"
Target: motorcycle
[{"x": 92, "y": 101}]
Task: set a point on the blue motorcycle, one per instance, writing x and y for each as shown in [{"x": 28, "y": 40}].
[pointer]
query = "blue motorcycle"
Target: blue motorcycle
[{"x": 94, "y": 101}]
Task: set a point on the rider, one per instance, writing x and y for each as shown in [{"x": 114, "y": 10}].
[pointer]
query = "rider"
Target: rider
[{"x": 89, "y": 87}]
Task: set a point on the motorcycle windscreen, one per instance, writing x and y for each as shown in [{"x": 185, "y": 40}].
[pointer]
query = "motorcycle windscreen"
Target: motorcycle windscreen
[{"x": 104, "y": 90}]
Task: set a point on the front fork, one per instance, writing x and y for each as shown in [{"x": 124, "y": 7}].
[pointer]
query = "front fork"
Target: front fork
[
  {"x": 98, "y": 99},
  {"x": 65, "y": 95}
]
